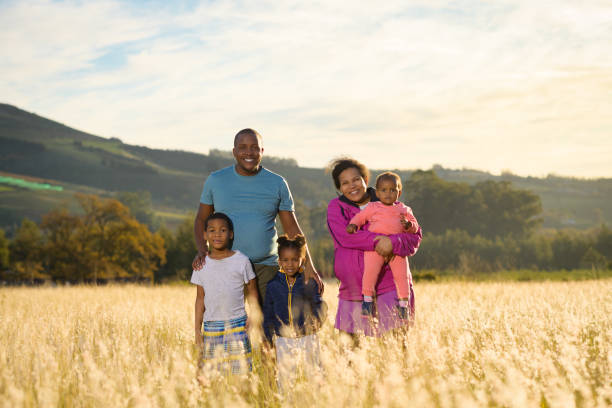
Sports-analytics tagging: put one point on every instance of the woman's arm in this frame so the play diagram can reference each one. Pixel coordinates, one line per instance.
(337, 222)
(199, 315)
(406, 244)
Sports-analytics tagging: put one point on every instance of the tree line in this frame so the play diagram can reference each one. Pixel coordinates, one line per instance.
(484, 227)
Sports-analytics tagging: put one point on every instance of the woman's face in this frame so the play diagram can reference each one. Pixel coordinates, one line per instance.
(352, 185)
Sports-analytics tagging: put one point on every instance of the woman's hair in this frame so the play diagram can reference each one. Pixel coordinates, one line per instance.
(298, 243)
(340, 164)
(389, 176)
(228, 221)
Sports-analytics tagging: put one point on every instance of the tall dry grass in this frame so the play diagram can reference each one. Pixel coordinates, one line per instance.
(474, 344)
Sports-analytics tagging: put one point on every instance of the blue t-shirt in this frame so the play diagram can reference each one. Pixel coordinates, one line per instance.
(252, 203)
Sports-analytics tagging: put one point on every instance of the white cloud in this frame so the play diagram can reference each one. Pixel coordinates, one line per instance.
(476, 84)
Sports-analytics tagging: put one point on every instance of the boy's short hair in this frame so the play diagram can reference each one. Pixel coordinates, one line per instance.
(224, 217)
(389, 176)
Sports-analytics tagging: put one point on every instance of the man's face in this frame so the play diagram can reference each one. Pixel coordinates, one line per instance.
(248, 153)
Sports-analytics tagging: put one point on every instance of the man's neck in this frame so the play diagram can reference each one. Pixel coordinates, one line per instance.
(243, 172)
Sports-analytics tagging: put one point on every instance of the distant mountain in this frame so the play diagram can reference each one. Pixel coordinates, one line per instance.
(32, 145)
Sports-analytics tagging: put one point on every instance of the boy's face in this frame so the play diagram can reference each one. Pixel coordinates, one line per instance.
(290, 261)
(218, 234)
(248, 153)
(387, 191)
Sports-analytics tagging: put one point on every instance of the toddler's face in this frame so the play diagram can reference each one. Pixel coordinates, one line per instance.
(387, 191)
(290, 261)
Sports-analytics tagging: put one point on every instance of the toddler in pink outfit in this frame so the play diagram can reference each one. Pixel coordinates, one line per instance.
(387, 216)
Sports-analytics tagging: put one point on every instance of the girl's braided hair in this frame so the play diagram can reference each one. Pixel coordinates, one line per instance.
(298, 243)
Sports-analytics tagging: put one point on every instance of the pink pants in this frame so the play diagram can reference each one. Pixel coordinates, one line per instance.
(373, 263)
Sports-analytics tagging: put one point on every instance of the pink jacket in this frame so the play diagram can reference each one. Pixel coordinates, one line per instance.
(349, 248)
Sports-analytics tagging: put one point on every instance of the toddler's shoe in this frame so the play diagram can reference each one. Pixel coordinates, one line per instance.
(367, 309)
(402, 312)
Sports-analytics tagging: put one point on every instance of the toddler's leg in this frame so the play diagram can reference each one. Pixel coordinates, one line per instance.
(372, 263)
(399, 268)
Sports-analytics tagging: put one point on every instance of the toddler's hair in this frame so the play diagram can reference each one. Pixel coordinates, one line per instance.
(298, 243)
(228, 221)
(389, 176)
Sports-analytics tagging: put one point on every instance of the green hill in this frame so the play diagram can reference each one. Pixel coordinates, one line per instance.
(33, 146)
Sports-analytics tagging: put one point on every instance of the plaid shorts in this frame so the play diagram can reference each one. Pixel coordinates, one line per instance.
(227, 346)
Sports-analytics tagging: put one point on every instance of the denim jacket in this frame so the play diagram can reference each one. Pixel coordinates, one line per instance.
(299, 307)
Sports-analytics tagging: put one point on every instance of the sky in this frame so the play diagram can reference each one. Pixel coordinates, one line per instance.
(517, 86)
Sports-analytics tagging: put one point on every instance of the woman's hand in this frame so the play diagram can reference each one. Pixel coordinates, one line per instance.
(384, 247)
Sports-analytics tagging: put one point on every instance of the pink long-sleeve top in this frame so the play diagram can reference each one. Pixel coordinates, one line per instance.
(385, 219)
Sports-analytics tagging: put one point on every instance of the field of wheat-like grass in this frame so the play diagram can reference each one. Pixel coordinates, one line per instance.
(474, 344)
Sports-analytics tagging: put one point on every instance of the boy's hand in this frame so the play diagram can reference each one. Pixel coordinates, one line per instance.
(351, 228)
(199, 341)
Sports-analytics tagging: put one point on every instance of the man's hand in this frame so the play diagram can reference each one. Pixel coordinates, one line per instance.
(311, 273)
(351, 228)
(199, 260)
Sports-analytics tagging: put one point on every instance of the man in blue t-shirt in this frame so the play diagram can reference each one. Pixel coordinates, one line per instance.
(252, 197)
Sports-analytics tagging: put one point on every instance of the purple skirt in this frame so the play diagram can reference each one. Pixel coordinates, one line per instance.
(349, 319)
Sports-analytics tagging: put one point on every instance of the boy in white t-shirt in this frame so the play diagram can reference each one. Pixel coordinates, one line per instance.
(220, 300)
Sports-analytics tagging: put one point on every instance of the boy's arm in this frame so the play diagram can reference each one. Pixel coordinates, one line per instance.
(253, 299)
(199, 315)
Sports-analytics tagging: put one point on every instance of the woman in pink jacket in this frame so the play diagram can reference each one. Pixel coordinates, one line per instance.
(351, 179)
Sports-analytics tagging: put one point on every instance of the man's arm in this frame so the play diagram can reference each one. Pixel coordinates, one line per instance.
(292, 228)
(204, 211)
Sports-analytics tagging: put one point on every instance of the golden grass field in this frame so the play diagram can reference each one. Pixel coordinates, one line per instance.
(474, 344)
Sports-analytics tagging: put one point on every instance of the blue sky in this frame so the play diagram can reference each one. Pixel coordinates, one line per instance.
(521, 86)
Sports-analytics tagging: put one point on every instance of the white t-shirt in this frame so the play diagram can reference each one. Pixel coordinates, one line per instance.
(223, 281)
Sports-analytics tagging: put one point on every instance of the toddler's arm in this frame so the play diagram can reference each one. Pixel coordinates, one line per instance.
(408, 220)
(359, 219)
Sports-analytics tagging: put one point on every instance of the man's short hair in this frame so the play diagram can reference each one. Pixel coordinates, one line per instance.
(247, 131)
